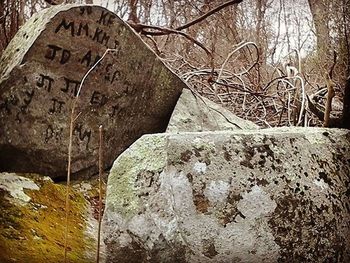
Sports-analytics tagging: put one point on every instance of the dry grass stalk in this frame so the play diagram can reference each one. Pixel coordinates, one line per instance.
(100, 172)
(73, 118)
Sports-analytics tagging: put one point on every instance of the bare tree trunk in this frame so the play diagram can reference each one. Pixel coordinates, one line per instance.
(344, 43)
(346, 105)
(261, 38)
(260, 26)
(320, 13)
(11, 18)
(146, 5)
(133, 11)
(3, 33)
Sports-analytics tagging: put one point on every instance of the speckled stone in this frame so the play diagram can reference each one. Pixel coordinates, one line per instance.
(270, 195)
(194, 113)
(131, 92)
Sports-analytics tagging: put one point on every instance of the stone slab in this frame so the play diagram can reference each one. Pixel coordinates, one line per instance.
(194, 113)
(131, 92)
(269, 195)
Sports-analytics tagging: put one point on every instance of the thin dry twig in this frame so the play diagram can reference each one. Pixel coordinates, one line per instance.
(233, 52)
(303, 100)
(209, 13)
(73, 118)
(325, 116)
(174, 31)
(236, 87)
(330, 96)
(333, 65)
(100, 172)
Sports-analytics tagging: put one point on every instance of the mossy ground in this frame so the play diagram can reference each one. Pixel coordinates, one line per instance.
(34, 232)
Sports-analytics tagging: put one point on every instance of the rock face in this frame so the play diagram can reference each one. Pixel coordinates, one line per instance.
(32, 221)
(130, 92)
(194, 113)
(275, 195)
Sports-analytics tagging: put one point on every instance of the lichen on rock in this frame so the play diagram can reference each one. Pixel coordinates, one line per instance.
(273, 195)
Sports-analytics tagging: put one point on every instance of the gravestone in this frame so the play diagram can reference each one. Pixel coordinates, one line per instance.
(130, 92)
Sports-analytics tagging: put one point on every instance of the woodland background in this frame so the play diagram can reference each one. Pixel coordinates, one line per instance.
(240, 56)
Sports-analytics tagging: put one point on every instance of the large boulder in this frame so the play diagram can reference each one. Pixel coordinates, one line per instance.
(274, 195)
(195, 113)
(32, 221)
(130, 93)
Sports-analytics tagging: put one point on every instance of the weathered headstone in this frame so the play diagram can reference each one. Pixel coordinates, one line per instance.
(131, 92)
(273, 195)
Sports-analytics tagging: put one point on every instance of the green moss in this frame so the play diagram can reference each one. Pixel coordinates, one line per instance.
(34, 232)
(146, 154)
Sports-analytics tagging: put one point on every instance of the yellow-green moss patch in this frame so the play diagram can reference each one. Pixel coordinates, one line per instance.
(34, 232)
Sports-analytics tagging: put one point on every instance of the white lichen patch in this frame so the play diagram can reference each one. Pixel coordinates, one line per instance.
(201, 144)
(321, 184)
(15, 185)
(200, 167)
(217, 192)
(256, 203)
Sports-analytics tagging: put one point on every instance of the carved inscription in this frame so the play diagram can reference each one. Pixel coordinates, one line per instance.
(89, 59)
(106, 19)
(83, 134)
(6, 105)
(53, 134)
(69, 26)
(85, 9)
(129, 92)
(112, 75)
(27, 99)
(45, 82)
(57, 106)
(56, 51)
(17, 105)
(71, 86)
(116, 110)
(98, 99)
(53, 92)
(83, 29)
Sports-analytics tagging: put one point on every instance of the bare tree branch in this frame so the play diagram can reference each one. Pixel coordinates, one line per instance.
(209, 13)
(139, 27)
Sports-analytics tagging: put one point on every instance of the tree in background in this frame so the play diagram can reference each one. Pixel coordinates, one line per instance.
(11, 18)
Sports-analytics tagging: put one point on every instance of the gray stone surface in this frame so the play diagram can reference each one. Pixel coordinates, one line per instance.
(195, 113)
(274, 195)
(131, 92)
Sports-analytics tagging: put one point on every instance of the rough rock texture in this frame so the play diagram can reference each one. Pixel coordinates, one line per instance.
(32, 221)
(275, 195)
(131, 92)
(195, 113)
